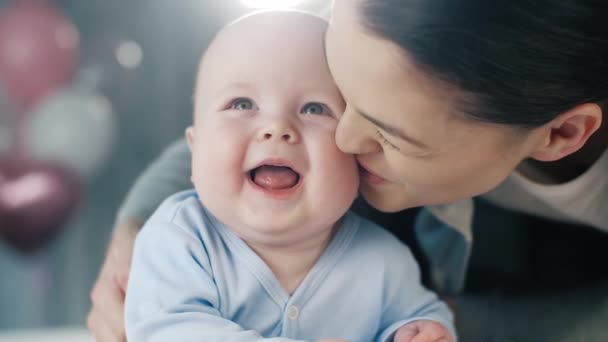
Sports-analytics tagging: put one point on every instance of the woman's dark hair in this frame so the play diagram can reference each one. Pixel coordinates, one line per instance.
(521, 62)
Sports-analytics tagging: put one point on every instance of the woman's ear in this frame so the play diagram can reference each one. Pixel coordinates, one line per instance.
(190, 137)
(568, 132)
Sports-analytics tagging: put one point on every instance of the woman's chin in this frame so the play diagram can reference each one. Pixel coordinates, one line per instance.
(385, 201)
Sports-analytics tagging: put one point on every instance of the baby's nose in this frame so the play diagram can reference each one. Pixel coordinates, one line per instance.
(280, 131)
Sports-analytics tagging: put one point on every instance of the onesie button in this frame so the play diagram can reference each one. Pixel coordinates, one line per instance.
(293, 312)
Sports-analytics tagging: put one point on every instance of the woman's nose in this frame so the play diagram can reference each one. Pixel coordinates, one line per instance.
(279, 130)
(354, 134)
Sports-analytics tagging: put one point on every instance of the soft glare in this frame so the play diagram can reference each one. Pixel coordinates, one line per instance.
(270, 3)
(129, 54)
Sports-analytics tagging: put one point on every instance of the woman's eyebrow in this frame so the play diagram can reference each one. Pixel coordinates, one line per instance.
(394, 131)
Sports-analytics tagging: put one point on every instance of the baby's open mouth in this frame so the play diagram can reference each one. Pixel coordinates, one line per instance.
(272, 177)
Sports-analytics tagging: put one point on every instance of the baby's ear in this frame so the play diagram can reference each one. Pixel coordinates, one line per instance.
(190, 137)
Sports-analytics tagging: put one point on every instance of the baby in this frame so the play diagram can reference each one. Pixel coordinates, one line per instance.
(264, 248)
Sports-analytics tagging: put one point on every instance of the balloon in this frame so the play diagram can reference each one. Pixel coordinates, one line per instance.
(73, 127)
(38, 50)
(36, 200)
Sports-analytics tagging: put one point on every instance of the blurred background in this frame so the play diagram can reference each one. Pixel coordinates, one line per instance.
(90, 92)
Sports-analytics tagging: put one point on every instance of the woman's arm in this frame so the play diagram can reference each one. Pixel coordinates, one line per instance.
(167, 175)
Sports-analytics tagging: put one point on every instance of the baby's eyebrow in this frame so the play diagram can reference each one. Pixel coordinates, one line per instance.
(234, 87)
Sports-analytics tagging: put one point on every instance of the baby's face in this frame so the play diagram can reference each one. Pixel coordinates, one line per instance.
(265, 160)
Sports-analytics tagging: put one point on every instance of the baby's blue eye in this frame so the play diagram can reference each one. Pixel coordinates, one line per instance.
(242, 104)
(314, 108)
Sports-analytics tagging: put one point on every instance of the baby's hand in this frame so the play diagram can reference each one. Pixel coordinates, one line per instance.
(423, 331)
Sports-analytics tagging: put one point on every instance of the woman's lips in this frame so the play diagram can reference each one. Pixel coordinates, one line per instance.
(370, 177)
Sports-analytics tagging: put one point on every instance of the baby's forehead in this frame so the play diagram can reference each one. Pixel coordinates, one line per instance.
(271, 30)
(256, 41)
(276, 23)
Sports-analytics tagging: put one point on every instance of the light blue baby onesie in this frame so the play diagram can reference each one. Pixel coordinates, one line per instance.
(192, 279)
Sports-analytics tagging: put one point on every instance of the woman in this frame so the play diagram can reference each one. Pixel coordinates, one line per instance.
(445, 101)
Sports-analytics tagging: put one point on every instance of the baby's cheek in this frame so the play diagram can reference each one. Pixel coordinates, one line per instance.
(210, 161)
(342, 176)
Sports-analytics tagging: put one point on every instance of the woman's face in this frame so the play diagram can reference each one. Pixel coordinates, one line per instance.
(413, 147)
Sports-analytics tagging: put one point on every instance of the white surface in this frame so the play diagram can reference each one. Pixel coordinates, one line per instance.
(47, 335)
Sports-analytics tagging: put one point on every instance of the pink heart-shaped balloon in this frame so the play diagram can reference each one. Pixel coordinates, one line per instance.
(36, 199)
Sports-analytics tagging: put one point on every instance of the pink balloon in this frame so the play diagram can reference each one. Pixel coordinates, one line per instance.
(38, 50)
(36, 200)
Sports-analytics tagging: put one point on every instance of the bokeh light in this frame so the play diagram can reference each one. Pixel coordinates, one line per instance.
(129, 54)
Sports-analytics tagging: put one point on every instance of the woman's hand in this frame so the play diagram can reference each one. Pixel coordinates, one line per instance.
(106, 318)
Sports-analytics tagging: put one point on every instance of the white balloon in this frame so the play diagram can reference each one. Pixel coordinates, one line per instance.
(74, 127)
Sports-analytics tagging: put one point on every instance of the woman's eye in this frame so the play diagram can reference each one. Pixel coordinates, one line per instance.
(242, 104)
(385, 141)
(314, 108)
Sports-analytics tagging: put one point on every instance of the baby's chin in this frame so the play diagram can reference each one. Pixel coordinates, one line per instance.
(278, 232)
(268, 236)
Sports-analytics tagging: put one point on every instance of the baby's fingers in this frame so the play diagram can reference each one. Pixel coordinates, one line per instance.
(423, 331)
(406, 333)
